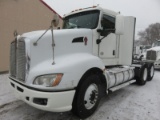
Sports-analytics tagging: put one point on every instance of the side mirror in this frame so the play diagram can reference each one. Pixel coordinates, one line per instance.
(119, 25)
(55, 20)
(105, 32)
(15, 33)
(140, 47)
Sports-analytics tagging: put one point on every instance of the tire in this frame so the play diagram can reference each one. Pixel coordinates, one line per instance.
(87, 97)
(143, 75)
(150, 71)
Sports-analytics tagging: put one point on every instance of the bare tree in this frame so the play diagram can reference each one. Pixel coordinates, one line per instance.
(150, 34)
(137, 43)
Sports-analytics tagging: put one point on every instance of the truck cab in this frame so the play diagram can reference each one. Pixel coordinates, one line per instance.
(103, 24)
(154, 54)
(73, 67)
(140, 52)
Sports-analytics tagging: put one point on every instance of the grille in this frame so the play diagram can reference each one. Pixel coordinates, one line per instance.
(13, 60)
(151, 55)
(18, 60)
(21, 61)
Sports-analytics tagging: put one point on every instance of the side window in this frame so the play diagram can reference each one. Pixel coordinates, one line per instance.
(108, 23)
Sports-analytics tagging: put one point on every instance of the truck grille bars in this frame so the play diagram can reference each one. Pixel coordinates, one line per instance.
(13, 59)
(151, 55)
(18, 60)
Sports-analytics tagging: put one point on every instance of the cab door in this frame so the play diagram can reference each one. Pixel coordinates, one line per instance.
(108, 45)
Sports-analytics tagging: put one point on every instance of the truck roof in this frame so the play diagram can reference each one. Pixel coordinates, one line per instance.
(108, 12)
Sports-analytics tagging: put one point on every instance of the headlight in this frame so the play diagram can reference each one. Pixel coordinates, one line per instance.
(48, 80)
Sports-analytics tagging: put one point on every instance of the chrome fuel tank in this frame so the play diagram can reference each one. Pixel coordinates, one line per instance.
(118, 75)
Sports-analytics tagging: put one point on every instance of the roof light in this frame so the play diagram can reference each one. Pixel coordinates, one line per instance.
(84, 8)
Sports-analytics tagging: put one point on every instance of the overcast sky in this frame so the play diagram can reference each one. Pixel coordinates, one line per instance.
(146, 11)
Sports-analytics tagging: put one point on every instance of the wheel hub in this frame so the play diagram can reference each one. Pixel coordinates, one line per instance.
(91, 96)
(152, 71)
(145, 74)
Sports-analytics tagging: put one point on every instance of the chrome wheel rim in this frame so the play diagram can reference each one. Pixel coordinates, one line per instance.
(152, 71)
(91, 96)
(145, 74)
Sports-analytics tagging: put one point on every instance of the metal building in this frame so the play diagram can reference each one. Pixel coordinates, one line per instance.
(23, 16)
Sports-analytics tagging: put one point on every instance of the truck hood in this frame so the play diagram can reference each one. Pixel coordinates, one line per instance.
(67, 42)
(154, 48)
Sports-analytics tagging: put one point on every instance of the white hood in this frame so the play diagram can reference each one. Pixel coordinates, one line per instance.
(154, 48)
(67, 42)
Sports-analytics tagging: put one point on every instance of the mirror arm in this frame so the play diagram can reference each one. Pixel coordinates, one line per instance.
(99, 30)
(99, 40)
(36, 42)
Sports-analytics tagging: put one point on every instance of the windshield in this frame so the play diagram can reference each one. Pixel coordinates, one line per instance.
(147, 47)
(157, 43)
(87, 19)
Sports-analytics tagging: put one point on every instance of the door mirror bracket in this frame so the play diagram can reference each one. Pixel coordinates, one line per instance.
(99, 40)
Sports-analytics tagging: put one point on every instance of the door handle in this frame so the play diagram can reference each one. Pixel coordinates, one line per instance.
(113, 52)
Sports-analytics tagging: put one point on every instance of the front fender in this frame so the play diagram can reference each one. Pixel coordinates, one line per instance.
(72, 66)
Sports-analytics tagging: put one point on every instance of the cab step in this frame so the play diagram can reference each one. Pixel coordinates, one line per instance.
(121, 85)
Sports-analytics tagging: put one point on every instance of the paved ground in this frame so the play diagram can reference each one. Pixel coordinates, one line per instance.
(130, 103)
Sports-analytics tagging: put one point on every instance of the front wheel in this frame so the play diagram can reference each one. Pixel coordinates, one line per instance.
(87, 97)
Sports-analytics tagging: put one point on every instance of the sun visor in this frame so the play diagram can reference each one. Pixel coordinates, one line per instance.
(62, 7)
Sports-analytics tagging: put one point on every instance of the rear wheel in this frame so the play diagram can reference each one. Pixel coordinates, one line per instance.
(150, 71)
(87, 97)
(143, 75)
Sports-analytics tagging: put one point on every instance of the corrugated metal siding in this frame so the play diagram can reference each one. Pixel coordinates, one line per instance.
(23, 16)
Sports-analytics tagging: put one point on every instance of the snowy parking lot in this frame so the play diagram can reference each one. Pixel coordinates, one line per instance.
(133, 102)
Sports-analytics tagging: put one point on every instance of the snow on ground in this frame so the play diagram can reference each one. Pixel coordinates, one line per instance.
(133, 102)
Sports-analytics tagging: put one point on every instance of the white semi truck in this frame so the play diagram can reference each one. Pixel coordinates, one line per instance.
(73, 67)
(140, 52)
(154, 54)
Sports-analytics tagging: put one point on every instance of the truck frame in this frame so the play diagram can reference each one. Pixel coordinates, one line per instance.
(74, 67)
